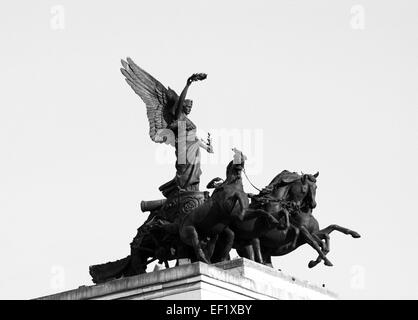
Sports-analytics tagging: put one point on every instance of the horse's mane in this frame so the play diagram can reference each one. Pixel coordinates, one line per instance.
(284, 177)
(283, 181)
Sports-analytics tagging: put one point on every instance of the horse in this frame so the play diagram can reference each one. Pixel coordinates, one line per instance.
(192, 235)
(227, 203)
(300, 191)
(248, 231)
(280, 199)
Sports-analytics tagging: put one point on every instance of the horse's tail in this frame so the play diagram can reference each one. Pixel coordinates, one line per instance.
(111, 270)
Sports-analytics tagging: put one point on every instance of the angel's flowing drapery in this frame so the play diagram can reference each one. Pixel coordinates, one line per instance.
(188, 170)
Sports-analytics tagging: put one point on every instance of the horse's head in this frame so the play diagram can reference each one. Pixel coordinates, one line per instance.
(303, 191)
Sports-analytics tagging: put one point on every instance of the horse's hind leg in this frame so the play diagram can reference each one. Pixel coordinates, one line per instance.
(227, 239)
(189, 235)
(336, 227)
(211, 246)
(257, 250)
(267, 260)
(246, 252)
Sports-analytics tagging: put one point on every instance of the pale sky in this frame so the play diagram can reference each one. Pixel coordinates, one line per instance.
(327, 86)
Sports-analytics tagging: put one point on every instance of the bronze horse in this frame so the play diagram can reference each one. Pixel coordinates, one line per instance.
(247, 232)
(301, 191)
(192, 235)
(227, 204)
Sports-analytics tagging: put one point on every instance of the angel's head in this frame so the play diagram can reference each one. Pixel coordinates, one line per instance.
(187, 106)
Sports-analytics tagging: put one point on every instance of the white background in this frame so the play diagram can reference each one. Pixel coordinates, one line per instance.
(331, 87)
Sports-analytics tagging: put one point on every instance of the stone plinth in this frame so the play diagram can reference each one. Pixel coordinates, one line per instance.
(238, 279)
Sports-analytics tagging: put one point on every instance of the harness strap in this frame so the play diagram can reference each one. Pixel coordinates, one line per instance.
(250, 181)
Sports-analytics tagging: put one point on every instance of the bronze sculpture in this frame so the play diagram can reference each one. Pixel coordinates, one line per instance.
(228, 203)
(166, 110)
(297, 192)
(189, 223)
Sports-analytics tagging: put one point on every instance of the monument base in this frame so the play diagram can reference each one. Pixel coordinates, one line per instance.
(238, 279)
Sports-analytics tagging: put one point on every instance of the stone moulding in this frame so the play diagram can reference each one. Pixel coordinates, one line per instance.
(236, 279)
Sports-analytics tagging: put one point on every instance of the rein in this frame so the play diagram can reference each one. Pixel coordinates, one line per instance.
(243, 169)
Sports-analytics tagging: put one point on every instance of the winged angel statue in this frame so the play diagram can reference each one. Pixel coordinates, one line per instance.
(168, 121)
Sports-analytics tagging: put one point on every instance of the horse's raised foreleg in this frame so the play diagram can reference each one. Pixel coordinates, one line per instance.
(324, 245)
(314, 263)
(246, 213)
(324, 234)
(336, 227)
(257, 213)
(325, 248)
(313, 243)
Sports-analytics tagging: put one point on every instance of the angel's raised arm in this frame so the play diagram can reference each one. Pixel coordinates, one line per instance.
(179, 104)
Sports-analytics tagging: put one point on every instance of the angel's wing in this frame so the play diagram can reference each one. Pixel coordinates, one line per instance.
(158, 100)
